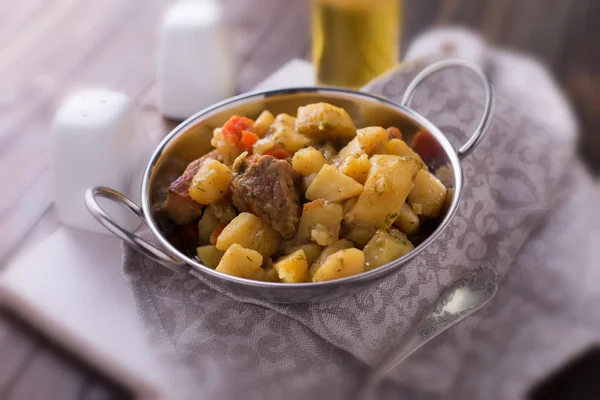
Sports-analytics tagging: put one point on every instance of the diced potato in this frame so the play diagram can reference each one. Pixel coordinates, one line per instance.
(349, 204)
(224, 210)
(263, 123)
(283, 133)
(417, 208)
(293, 142)
(341, 264)
(394, 132)
(228, 152)
(398, 147)
(387, 186)
(371, 138)
(292, 268)
(407, 221)
(308, 161)
(353, 148)
(330, 184)
(386, 246)
(250, 232)
(329, 250)
(380, 149)
(241, 262)
(324, 120)
(356, 168)
(263, 144)
(429, 192)
(312, 251)
(209, 255)
(207, 225)
(283, 122)
(320, 222)
(324, 235)
(360, 234)
(211, 182)
(367, 141)
(307, 180)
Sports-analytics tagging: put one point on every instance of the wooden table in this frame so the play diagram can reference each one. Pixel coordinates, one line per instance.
(48, 48)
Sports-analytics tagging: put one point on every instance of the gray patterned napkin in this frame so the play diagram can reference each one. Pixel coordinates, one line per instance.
(526, 210)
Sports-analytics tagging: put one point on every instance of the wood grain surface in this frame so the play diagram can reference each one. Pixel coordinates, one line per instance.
(49, 48)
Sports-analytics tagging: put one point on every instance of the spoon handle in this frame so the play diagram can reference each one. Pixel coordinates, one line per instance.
(465, 296)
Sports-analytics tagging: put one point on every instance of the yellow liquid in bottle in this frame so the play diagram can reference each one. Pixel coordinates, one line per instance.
(354, 41)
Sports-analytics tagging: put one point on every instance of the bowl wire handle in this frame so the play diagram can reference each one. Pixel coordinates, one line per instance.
(131, 238)
(488, 109)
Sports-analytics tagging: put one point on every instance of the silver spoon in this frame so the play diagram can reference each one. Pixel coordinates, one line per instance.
(465, 295)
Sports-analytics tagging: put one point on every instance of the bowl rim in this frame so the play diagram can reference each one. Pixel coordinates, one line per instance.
(347, 94)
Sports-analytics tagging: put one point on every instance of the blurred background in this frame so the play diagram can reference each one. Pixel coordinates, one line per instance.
(48, 48)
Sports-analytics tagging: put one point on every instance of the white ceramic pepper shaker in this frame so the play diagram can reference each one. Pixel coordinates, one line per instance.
(97, 139)
(195, 58)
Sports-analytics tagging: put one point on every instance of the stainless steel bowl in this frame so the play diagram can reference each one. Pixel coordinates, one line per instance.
(191, 139)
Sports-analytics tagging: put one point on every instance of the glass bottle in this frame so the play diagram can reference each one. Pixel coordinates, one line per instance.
(354, 41)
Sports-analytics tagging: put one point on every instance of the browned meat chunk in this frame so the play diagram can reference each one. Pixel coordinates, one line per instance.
(266, 187)
(179, 205)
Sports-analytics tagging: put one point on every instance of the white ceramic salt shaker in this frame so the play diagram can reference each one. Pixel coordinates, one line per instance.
(195, 58)
(97, 139)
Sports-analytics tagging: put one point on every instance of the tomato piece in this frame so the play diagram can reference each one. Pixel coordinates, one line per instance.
(233, 128)
(394, 132)
(231, 138)
(248, 139)
(278, 152)
(215, 235)
(428, 148)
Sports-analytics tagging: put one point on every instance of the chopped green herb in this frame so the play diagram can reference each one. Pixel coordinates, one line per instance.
(391, 217)
(341, 259)
(325, 126)
(301, 257)
(241, 166)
